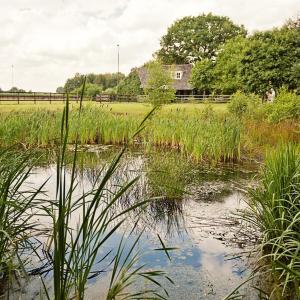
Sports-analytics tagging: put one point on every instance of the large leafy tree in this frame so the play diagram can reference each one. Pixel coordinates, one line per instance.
(159, 87)
(194, 38)
(228, 66)
(202, 77)
(271, 60)
(104, 81)
(131, 84)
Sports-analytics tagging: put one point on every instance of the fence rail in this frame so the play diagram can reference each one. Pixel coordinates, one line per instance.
(37, 96)
(55, 97)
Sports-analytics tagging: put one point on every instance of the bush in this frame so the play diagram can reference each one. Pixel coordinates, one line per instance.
(241, 104)
(159, 88)
(286, 106)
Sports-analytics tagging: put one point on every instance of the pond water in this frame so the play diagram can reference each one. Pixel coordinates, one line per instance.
(194, 215)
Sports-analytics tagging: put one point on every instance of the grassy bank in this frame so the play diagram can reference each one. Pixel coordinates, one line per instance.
(205, 133)
(200, 134)
(128, 108)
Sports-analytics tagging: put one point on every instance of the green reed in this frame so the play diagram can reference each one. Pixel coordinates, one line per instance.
(16, 212)
(275, 210)
(215, 137)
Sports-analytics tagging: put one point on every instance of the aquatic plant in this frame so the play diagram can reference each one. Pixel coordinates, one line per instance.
(274, 208)
(16, 212)
(215, 138)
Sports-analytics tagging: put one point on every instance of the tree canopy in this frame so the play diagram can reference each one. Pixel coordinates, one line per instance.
(191, 39)
(271, 59)
(159, 87)
(103, 81)
(252, 64)
(130, 85)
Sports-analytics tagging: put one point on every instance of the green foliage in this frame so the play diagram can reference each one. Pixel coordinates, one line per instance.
(202, 77)
(74, 83)
(90, 90)
(241, 104)
(270, 60)
(131, 85)
(15, 90)
(159, 84)
(194, 38)
(286, 106)
(274, 208)
(111, 91)
(228, 66)
(105, 81)
(213, 139)
(60, 89)
(16, 211)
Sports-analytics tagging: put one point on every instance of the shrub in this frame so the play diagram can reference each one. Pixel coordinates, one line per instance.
(159, 85)
(241, 104)
(286, 106)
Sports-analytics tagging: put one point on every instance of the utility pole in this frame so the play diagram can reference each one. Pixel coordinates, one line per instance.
(118, 64)
(12, 76)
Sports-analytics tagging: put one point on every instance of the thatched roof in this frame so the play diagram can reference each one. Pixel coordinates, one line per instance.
(178, 84)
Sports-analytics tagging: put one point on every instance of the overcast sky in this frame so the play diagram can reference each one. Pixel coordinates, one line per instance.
(49, 41)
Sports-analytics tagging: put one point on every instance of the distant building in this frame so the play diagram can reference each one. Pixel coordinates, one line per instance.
(180, 73)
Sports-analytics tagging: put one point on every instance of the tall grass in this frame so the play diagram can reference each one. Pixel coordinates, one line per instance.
(214, 137)
(16, 204)
(275, 210)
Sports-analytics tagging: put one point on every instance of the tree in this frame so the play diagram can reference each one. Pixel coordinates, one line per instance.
(270, 60)
(60, 89)
(74, 83)
(195, 38)
(105, 81)
(131, 85)
(202, 77)
(159, 84)
(91, 90)
(228, 67)
(15, 90)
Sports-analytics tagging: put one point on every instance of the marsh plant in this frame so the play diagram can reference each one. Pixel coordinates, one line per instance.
(274, 208)
(216, 138)
(16, 211)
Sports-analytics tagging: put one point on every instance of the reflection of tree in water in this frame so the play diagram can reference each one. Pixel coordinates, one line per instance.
(155, 182)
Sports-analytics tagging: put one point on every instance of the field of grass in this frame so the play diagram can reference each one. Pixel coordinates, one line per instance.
(118, 107)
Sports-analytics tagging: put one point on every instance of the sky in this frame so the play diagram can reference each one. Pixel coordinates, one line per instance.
(47, 42)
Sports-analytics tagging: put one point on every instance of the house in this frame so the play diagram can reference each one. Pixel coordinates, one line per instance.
(180, 73)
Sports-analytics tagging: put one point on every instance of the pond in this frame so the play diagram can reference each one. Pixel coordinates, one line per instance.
(194, 213)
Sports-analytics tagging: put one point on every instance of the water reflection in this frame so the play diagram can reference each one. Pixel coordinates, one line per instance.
(190, 209)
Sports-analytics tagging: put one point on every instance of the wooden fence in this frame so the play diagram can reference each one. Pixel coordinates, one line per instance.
(18, 97)
(36, 96)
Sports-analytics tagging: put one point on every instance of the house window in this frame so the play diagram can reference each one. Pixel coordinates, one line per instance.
(178, 75)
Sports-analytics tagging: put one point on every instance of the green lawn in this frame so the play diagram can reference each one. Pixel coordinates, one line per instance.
(118, 107)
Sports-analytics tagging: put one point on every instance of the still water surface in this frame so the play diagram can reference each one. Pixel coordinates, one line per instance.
(194, 215)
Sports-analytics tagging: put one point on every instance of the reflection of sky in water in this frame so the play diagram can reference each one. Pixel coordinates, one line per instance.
(200, 267)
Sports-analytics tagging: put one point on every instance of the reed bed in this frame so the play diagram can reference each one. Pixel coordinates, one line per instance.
(274, 209)
(216, 138)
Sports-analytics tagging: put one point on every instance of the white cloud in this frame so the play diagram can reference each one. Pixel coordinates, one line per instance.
(48, 41)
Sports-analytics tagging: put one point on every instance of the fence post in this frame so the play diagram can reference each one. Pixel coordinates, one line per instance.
(18, 97)
(50, 97)
(34, 100)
